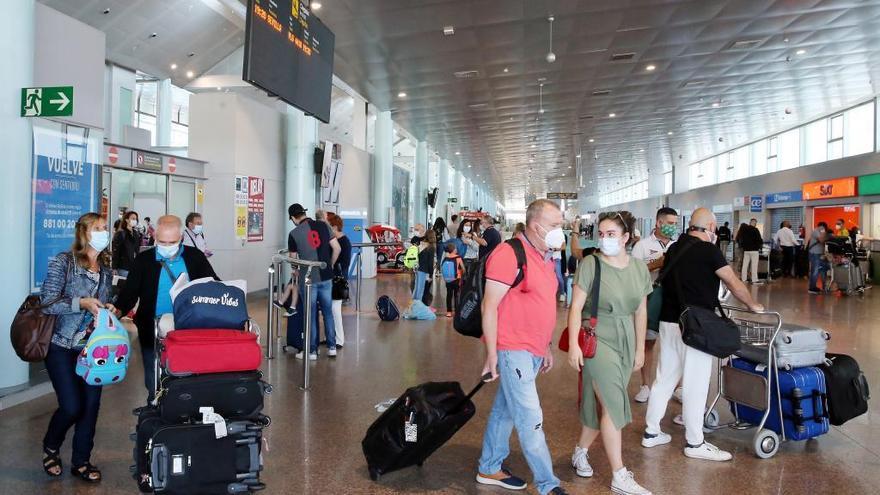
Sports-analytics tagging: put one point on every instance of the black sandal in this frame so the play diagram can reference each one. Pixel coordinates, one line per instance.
(85, 472)
(52, 460)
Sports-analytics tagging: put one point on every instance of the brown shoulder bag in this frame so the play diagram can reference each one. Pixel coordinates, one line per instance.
(31, 329)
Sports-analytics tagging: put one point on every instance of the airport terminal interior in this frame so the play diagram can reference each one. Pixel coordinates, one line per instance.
(336, 149)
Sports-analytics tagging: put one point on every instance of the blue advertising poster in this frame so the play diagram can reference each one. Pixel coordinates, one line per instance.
(784, 197)
(756, 204)
(62, 191)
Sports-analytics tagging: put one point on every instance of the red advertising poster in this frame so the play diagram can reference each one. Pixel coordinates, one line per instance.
(256, 203)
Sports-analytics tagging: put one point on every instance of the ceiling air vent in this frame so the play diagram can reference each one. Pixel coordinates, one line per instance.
(587, 117)
(744, 44)
(622, 57)
(693, 84)
(602, 92)
(477, 106)
(466, 74)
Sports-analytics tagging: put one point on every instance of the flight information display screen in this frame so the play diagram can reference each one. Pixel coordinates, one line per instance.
(288, 52)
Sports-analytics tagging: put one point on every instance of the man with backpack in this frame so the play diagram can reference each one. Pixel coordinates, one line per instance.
(518, 318)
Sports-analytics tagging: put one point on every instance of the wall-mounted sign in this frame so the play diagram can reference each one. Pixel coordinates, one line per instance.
(148, 161)
(256, 204)
(722, 208)
(56, 101)
(756, 204)
(562, 195)
(869, 184)
(241, 206)
(172, 165)
(112, 155)
(740, 201)
(783, 197)
(833, 188)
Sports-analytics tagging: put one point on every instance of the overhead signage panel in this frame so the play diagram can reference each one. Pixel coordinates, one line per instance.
(844, 187)
(784, 197)
(53, 101)
(869, 184)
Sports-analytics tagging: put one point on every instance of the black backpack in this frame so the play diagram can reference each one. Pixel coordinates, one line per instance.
(387, 309)
(469, 318)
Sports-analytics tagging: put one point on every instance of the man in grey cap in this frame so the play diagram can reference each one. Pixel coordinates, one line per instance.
(311, 240)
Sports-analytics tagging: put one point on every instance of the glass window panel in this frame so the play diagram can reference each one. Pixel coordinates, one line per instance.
(789, 150)
(725, 173)
(859, 130)
(759, 157)
(835, 149)
(772, 148)
(179, 135)
(146, 97)
(835, 127)
(667, 183)
(693, 175)
(817, 143)
(180, 105)
(739, 160)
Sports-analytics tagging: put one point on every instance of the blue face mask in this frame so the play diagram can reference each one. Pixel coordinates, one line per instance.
(197, 229)
(167, 252)
(99, 239)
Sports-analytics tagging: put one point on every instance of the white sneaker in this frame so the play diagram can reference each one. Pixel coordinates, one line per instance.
(661, 438)
(332, 352)
(562, 298)
(643, 395)
(677, 394)
(580, 461)
(624, 483)
(708, 452)
(313, 356)
(678, 420)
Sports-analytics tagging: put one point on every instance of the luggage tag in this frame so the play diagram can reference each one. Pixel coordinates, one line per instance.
(209, 416)
(410, 429)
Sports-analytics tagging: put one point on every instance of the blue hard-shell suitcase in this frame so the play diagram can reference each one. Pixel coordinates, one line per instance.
(804, 401)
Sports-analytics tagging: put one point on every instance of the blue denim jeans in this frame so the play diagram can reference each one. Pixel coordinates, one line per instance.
(517, 405)
(419, 286)
(818, 267)
(322, 296)
(78, 405)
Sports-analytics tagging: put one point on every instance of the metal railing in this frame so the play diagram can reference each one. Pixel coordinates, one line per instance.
(273, 320)
(360, 270)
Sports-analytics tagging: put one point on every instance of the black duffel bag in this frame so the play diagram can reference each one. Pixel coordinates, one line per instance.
(339, 290)
(708, 331)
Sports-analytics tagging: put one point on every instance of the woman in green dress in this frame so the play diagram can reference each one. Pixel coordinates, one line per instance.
(622, 321)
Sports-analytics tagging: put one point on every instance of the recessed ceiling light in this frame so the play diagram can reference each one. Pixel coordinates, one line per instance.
(219, 88)
(669, 133)
(592, 140)
(716, 104)
(402, 94)
(534, 145)
(316, 5)
(578, 155)
(469, 166)
(173, 66)
(650, 68)
(506, 70)
(612, 114)
(800, 52)
(189, 74)
(457, 153)
(641, 151)
(448, 30)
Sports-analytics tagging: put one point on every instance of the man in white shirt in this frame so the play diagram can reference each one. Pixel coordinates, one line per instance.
(787, 240)
(651, 250)
(193, 234)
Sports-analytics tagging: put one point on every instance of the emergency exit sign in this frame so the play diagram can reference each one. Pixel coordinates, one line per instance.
(53, 101)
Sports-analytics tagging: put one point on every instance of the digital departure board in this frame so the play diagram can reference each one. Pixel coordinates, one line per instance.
(288, 52)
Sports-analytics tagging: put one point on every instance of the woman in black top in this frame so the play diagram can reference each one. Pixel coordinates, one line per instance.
(427, 253)
(126, 243)
(340, 273)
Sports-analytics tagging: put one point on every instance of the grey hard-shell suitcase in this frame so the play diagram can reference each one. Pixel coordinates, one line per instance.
(796, 347)
(848, 277)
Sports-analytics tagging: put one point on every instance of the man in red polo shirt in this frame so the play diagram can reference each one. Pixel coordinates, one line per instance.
(518, 326)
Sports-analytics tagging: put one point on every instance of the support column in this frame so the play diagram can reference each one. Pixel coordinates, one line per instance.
(17, 40)
(420, 169)
(383, 168)
(443, 192)
(301, 137)
(359, 123)
(164, 105)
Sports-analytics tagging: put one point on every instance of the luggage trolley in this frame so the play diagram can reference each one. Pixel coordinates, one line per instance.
(756, 391)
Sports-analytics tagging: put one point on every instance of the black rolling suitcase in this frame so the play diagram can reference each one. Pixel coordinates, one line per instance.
(148, 423)
(234, 396)
(419, 422)
(848, 392)
(189, 459)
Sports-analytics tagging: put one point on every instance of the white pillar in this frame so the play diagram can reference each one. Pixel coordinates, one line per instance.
(301, 137)
(420, 169)
(16, 138)
(443, 192)
(359, 123)
(383, 168)
(164, 105)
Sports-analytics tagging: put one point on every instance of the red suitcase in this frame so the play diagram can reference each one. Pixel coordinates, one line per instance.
(191, 352)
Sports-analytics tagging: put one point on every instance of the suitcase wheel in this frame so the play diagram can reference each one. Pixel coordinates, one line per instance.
(257, 487)
(766, 444)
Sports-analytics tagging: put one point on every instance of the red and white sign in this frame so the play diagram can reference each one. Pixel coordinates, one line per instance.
(112, 155)
(172, 164)
(140, 159)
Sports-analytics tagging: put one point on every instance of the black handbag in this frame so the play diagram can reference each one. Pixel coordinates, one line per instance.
(339, 291)
(655, 298)
(706, 330)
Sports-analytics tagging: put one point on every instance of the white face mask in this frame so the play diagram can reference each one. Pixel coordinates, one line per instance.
(555, 238)
(132, 222)
(466, 229)
(610, 246)
(99, 239)
(712, 237)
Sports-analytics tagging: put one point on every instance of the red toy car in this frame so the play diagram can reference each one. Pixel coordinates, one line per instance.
(386, 254)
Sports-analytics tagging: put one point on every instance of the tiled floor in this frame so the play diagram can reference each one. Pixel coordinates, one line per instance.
(315, 437)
